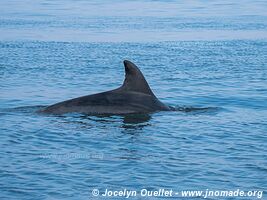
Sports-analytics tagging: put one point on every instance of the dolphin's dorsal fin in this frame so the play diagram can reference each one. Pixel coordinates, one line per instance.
(135, 80)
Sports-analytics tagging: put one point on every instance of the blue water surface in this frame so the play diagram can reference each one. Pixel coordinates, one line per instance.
(194, 54)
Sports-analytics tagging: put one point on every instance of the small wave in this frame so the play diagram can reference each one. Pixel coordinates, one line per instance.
(22, 109)
(194, 109)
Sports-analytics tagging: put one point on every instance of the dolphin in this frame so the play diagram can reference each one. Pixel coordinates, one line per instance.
(133, 97)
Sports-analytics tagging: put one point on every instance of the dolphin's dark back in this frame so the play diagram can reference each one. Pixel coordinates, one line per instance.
(134, 96)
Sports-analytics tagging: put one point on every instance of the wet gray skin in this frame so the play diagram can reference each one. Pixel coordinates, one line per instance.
(134, 96)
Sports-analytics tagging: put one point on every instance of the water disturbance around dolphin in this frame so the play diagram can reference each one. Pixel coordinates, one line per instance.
(134, 96)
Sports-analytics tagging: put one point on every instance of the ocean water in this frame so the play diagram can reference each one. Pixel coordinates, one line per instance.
(194, 54)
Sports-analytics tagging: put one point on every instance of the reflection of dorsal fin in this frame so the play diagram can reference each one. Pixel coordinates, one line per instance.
(135, 80)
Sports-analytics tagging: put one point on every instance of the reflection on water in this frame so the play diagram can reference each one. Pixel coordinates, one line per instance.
(129, 120)
(136, 121)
